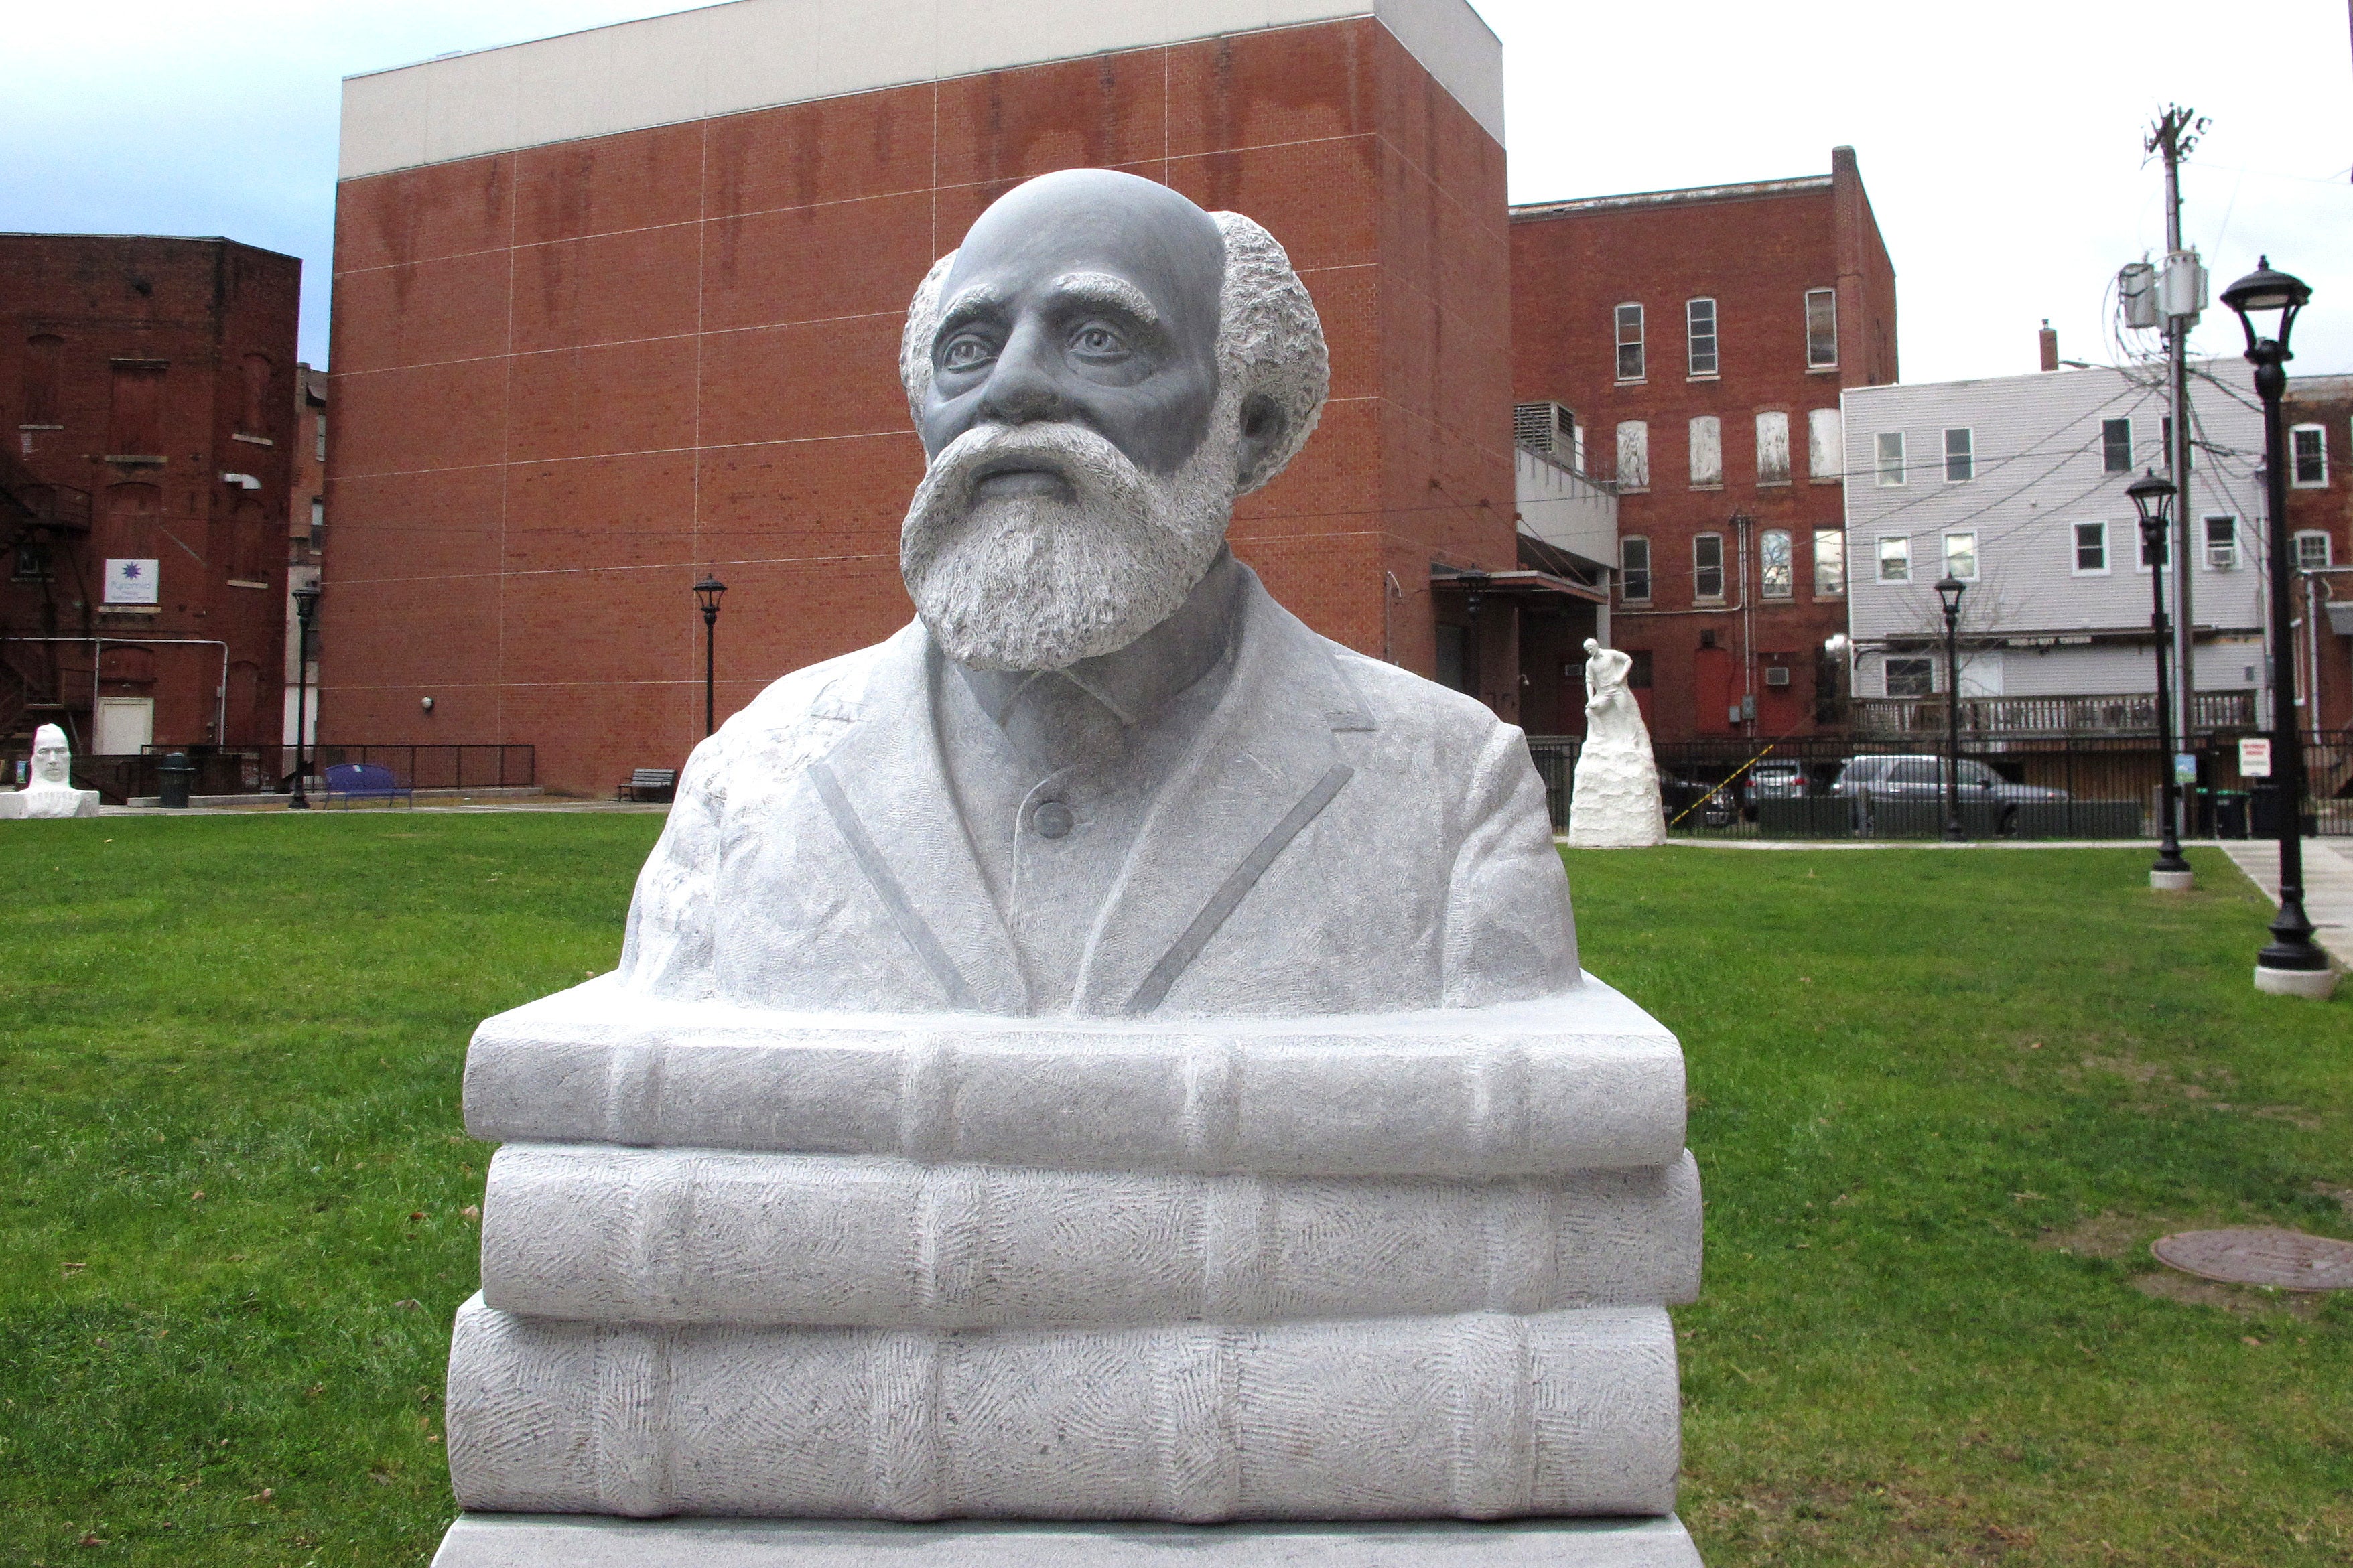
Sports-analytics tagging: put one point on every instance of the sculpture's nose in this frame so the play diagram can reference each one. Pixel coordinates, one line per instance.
(1023, 386)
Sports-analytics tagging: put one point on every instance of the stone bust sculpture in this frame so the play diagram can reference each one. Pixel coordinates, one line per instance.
(1103, 773)
(49, 791)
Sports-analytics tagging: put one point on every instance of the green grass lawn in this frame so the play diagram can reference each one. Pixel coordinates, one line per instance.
(1942, 1102)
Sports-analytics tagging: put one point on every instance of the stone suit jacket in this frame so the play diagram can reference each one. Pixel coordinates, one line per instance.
(1341, 836)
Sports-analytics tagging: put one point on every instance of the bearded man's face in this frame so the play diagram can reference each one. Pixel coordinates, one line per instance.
(1083, 453)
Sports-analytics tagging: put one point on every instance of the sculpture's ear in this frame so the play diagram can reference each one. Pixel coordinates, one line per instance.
(1264, 427)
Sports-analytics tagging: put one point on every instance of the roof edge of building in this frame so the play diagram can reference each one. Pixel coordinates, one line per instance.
(746, 55)
(1751, 189)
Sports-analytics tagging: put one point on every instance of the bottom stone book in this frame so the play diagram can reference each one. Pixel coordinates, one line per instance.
(540, 1540)
(1485, 1415)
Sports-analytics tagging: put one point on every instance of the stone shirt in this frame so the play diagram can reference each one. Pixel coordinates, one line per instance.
(1055, 771)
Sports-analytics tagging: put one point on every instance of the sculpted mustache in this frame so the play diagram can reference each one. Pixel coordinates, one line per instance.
(1064, 448)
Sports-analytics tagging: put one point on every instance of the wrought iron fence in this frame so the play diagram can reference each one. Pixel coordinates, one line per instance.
(2084, 788)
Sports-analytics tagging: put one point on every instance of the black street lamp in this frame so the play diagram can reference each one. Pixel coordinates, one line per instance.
(1948, 593)
(306, 610)
(2150, 497)
(2291, 963)
(706, 594)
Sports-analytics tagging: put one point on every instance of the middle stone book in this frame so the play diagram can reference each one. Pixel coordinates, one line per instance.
(673, 1236)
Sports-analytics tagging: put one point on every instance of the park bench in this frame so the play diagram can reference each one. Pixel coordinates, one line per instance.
(348, 781)
(648, 783)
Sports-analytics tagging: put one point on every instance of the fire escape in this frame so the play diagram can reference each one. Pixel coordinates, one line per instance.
(36, 520)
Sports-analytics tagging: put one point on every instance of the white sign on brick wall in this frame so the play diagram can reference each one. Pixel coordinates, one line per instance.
(132, 582)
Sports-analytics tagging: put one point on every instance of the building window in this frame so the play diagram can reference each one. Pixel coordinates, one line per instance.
(1454, 670)
(1777, 567)
(2090, 549)
(1825, 446)
(1960, 456)
(45, 358)
(1821, 328)
(1634, 455)
(1707, 566)
(1634, 569)
(1910, 676)
(318, 521)
(2223, 544)
(1895, 558)
(1699, 328)
(255, 418)
(1630, 343)
(1890, 458)
(1773, 448)
(32, 563)
(134, 418)
(2309, 444)
(2116, 445)
(321, 456)
(1706, 453)
(1638, 675)
(1830, 563)
(2312, 553)
(1961, 556)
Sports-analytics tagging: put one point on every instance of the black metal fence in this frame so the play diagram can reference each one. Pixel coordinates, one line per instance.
(1835, 788)
(270, 770)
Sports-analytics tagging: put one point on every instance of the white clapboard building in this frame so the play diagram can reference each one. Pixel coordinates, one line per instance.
(2015, 485)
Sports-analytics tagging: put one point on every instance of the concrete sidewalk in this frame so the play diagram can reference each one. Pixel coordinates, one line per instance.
(2327, 886)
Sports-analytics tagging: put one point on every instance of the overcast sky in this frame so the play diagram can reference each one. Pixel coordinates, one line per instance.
(2001, 142)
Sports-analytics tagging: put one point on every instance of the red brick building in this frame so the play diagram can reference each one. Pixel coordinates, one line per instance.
(618, 308)
(1700, 339)
(2319, 417)
(143, 494)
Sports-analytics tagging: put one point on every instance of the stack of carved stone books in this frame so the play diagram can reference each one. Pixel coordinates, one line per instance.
(743, 1266)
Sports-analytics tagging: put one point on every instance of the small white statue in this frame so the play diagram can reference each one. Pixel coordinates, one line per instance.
(1615, 802)
(50, 792)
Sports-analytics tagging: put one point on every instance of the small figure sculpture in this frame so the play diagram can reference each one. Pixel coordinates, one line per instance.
(50, 791)
(1615, 802)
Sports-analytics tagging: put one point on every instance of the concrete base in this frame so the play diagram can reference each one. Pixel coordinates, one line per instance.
(2173, 881)
(557, 1541)
(2317, 983)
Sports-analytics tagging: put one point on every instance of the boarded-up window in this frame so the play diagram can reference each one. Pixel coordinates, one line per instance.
(254, 420)
(1634, 455)
(135, 421)
(249, 539)
(129, 527)
(1707, 450)
(1825, 444)
(1773, 448)
(45, 358)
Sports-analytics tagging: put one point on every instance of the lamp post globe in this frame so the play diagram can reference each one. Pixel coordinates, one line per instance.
(706, 594)
(2152, 498)
(306, 610)
(2267, 302)
(1949, 590)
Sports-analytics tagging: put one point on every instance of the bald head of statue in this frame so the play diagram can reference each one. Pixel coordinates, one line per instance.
(1096, 375)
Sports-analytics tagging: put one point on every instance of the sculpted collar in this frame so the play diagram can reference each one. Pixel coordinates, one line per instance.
(1136, 681)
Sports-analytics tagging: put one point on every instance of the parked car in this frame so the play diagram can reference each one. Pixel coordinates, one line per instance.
(1774, 780)
(1876, 780)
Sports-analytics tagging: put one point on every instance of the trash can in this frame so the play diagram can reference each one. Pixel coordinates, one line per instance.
(2226, 813)
(174, 774)
(2269, 812)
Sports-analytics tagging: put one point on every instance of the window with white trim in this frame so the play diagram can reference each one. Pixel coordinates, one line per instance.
(1960, 456)
(1830, 563)
(1889, 452)
(1634, 455)
(1706, 452)
(1895, 558)
(2312, 551)
(2116, 445)
(1630, 343)
(1634, 569)
(2222, 543)
(1773, 447)
(1707, 566)
(1821, 328)
(1961, 556)
(1910, 676)
(1699, 335)
(2091, 550)
(1777, 566)
(2308, 452)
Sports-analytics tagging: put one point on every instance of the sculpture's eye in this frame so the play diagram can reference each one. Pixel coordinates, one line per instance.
(1098, 342)
(965, 351)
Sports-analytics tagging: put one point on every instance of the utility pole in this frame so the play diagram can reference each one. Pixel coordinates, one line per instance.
(2181, 294)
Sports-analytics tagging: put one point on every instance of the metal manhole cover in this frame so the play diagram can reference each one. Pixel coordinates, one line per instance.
(2260, 1254)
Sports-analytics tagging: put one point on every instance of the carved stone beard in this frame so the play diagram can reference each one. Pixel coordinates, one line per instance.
(1032, 582)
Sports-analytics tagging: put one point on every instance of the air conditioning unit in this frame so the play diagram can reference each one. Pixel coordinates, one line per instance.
(1777, 675)
(1549, 428)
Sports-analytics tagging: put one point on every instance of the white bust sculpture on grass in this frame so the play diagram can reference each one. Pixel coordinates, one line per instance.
(1614, 802)
(1106, 1053)
(49, 791)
